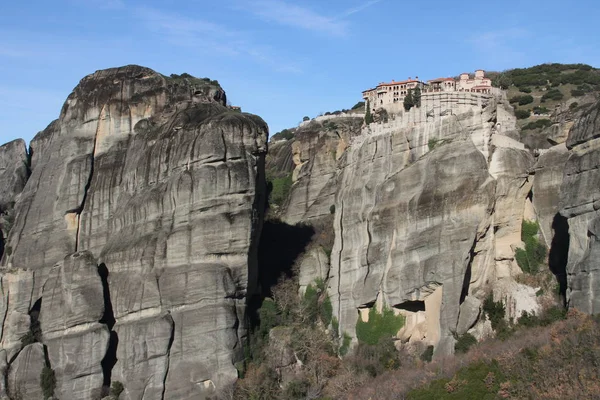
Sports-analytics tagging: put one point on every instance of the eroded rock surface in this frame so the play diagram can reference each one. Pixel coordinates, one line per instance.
(579, 203)
(134, 240)
(428, 209)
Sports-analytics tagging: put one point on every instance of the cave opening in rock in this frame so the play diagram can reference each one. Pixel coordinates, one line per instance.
(411, 306)
(109, 317)
(279, 247)
(559, 253)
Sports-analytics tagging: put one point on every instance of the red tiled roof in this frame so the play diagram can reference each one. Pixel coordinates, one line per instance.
(393, 83)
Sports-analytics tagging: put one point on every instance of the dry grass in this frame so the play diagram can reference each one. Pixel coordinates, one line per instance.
(555, 362)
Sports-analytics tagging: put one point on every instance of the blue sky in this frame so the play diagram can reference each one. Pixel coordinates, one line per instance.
(280, 59)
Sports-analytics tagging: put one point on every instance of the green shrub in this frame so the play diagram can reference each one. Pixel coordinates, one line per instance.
(48, 382)
(464, 343)
(427, 354)
(477, 381)
(379, 326)
(534, 254)
(326, 311)
(525, 89)
(573, 106)
(335, 325)
(494, 310)
(306, 118)
(577, 92)
(432, 143)
(28, 338)
(280, 189)
(553, 314)
(116, 389)
(539, 124)
(284, 134)
(552, 94)
(540, 110)
(528, 320)
(522, 114)
(522, 100)
(332, 209)
(316, 303)
(359, 105)
(346, 340)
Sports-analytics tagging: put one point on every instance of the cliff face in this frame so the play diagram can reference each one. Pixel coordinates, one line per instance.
(428, 208)
(579, 203)
(134, 240)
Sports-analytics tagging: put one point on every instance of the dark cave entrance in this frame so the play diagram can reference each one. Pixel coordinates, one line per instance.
(411, 306)
(279, 247)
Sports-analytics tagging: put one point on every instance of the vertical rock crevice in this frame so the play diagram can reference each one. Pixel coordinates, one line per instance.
(86, 190)
(559, 253)
(171, 340)
(110, 358)
(468, 272)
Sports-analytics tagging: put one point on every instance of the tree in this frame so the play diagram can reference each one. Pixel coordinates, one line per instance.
(409, 101)
(368, 116)
(502, 81)
(306, 118)
(417, 97)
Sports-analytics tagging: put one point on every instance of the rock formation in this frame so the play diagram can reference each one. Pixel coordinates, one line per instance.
(428, 209)
(134, 240)
(579, 203)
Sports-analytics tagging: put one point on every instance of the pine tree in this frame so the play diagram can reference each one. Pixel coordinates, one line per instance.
(409, 101)
(417, 97)
(368, 116)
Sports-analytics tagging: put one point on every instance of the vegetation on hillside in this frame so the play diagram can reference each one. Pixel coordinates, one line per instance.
(547, 74)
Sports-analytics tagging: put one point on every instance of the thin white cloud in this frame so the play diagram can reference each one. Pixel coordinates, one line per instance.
(210, 37)
(359, 8)
(287, 14)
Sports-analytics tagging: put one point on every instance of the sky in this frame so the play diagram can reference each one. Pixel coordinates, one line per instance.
(279, 59)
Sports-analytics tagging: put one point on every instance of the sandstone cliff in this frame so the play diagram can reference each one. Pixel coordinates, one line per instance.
(134, 240)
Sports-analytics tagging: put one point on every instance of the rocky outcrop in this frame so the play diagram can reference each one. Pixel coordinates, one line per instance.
(135, 237)
(24, 374)
(14, 171)
(427, 215)
(316, 149)
(579, 203)
(548, 170)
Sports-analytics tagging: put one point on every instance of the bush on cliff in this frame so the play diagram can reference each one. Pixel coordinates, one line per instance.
(48, 382)
(379, 326)
(534, 254)
(280, 188)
